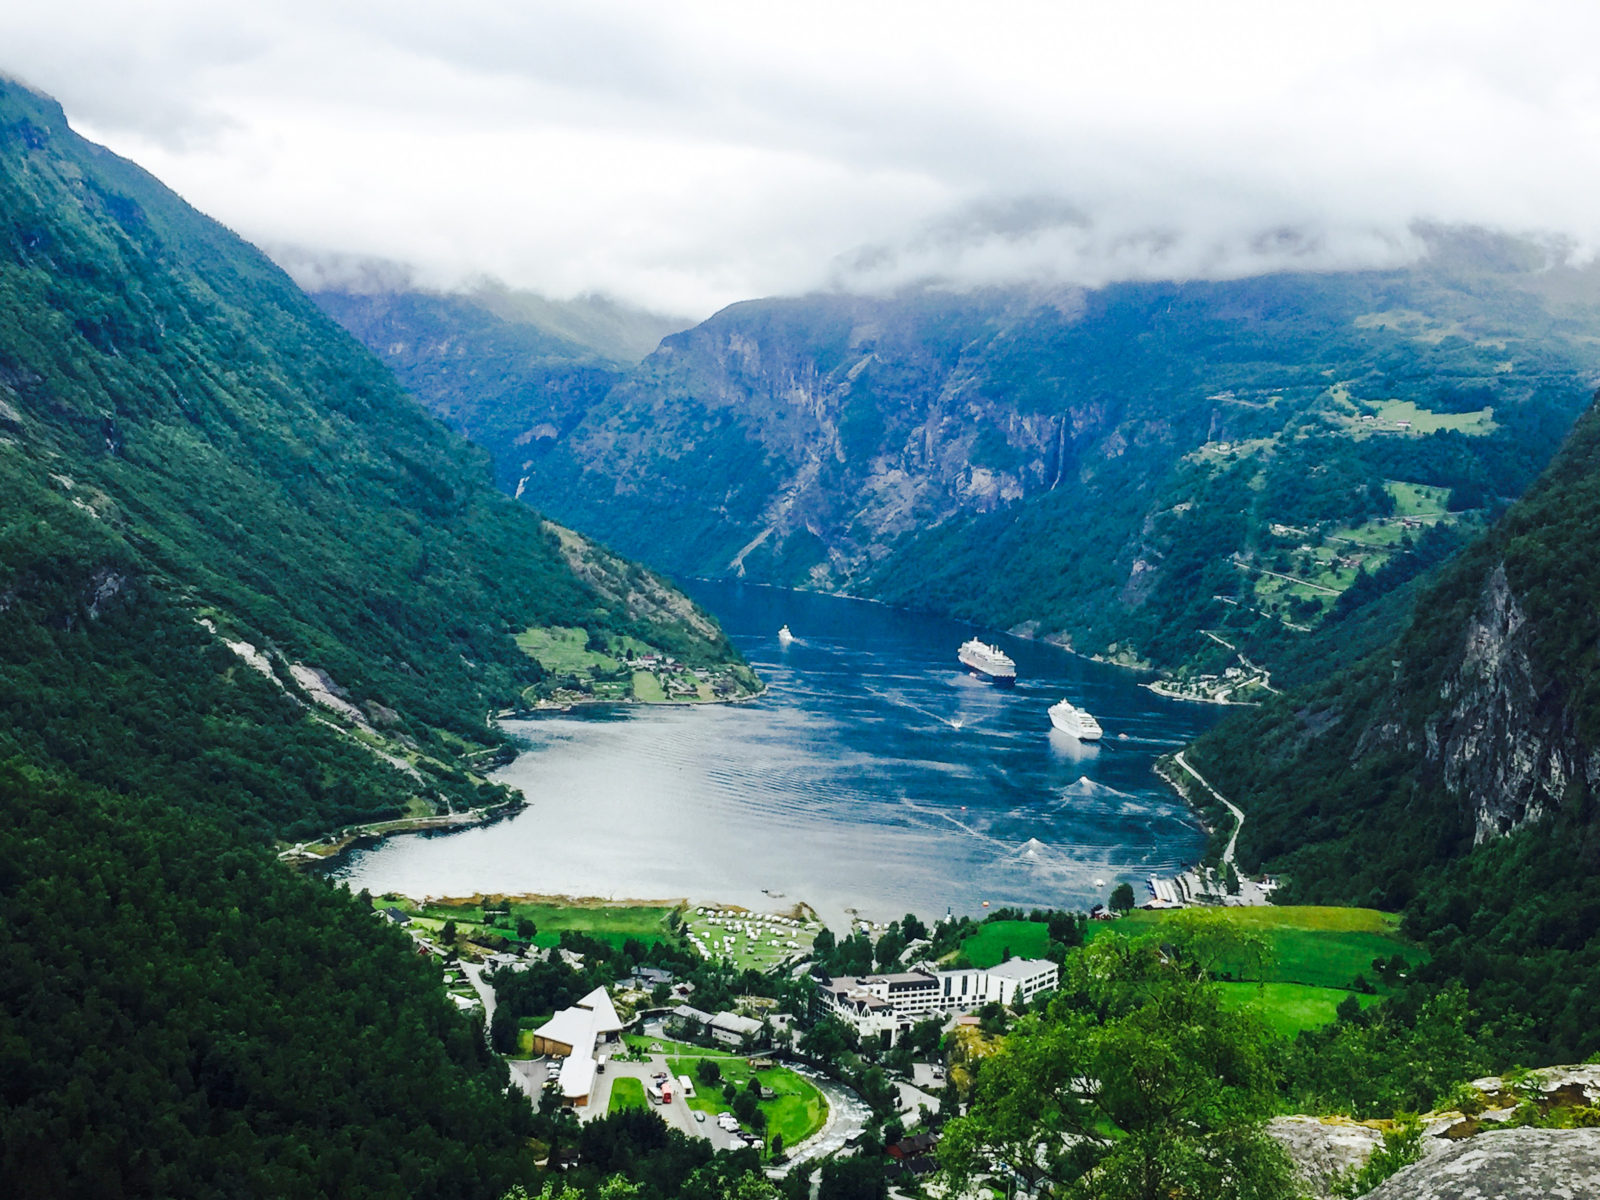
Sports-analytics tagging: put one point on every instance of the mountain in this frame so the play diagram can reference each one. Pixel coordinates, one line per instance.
(249, 591)
(1454, 772)
(1121, 468)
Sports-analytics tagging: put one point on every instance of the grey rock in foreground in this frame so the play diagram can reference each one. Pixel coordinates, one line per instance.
(1508, 1164)
(1322, 1150)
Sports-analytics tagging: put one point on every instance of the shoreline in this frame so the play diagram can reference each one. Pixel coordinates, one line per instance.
(528, 714)
(1160, 688)
(360, 837)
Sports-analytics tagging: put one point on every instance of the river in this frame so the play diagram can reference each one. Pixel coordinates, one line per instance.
(874, 775)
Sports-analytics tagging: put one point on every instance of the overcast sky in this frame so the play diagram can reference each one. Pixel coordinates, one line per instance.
(685, 155)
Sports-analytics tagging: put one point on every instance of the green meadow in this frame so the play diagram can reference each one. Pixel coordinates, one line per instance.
(1315, 955)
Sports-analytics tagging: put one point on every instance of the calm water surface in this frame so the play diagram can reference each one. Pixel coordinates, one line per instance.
(874, 775)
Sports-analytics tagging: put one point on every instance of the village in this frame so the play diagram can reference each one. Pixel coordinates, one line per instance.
(799, 1075)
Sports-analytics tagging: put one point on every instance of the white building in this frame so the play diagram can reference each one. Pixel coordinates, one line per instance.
(576, 1035)
(892, 1003)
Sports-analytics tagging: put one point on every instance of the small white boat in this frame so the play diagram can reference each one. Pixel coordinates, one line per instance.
(1070, 719)
(784, 636)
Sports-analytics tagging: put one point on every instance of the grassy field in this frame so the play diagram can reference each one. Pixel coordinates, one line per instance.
(796, 1112)
(1425, 421)
(563, 651)
(610, 923)
(1316, 955)
(1025, 939)
(1291, 1007)
(1322, 947)
(1417, 499)
(626, 1093)
(654, 1045)
(648, 688)
(752, 952)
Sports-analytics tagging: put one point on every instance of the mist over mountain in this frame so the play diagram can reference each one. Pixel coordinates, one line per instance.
(1120, 468)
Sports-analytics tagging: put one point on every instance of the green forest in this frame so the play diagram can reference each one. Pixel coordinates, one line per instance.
(249, 592)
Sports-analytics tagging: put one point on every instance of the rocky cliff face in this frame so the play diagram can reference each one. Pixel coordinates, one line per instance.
(1501, 736)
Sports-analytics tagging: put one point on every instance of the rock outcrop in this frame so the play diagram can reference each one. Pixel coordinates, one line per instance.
(1506, 1164)
(1325, 1148)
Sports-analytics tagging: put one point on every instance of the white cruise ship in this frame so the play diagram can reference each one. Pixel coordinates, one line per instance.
(1068, 718)
(990, 661)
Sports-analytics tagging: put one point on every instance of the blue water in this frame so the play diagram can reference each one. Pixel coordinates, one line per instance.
(875, 775)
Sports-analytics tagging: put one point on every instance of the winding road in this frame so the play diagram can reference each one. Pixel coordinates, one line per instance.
(1238, 813)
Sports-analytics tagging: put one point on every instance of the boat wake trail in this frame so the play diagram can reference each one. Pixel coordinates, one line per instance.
(900, 702)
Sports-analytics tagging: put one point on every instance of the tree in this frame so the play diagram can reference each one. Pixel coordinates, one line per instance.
(1152, 1055)
(853, 1179)
(709, 1072)
(526, 928)
(823, 944)
(1121, 897)
(889, 949)
(745, 1107)
(447, 935)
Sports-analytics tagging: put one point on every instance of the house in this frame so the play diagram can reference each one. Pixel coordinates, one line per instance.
(725, 1027)
(688, 1019)
(649, 977)
(395, 916)
(577, 1035)
(734, 1030)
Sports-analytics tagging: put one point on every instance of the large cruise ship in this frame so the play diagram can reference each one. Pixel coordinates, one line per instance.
(1068, 718)
(988, 660)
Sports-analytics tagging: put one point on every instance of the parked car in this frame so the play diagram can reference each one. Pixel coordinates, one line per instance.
(699, 1116)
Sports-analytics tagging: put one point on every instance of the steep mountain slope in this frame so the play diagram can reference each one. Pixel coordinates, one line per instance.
(248, 590)
(481, 374)
(1454, 772)
(190, 449)
(1122, 467)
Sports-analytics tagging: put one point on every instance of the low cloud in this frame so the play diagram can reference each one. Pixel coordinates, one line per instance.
(685, 156)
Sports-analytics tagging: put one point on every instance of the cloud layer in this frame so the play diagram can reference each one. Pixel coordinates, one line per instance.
(687, 155)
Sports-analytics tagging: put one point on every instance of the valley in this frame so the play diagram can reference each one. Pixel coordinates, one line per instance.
(461, 743)
(1059, 464)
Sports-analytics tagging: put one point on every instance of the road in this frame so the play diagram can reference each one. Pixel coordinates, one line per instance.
(1238, 813)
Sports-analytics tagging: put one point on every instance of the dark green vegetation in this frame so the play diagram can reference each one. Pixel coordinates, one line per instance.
(248, 590)
(484, 361)
(1452, 773)
(1268, 459)
(182, 1017)
(185, 438)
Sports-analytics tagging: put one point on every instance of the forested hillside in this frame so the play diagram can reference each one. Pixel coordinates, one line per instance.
(193, 453)
(1453, 773)
(1123, 467)
(249, 590)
